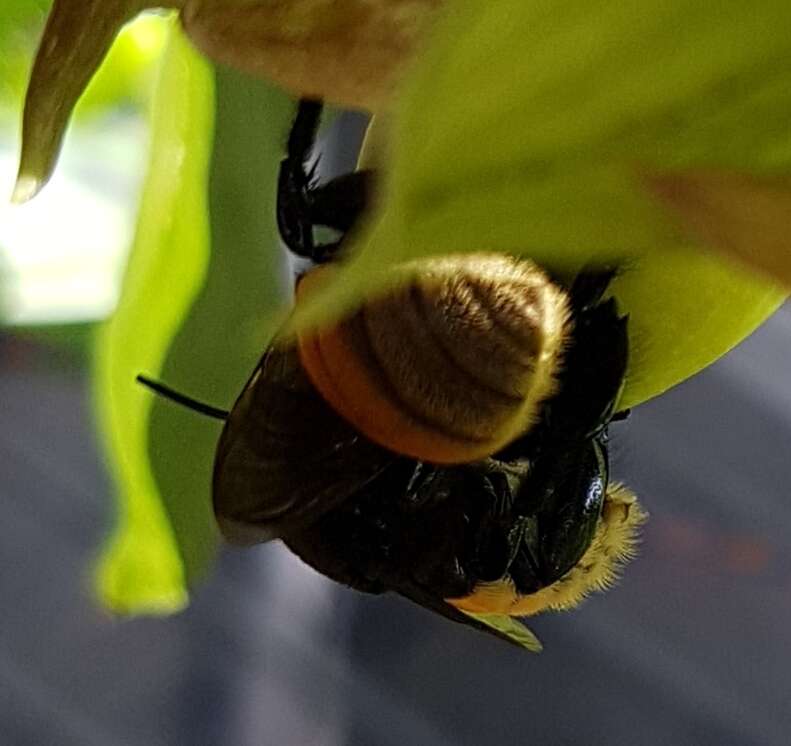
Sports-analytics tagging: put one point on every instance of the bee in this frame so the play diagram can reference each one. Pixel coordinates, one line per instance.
(448, 441)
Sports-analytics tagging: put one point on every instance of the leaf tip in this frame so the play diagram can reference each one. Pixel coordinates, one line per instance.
(27, 186)
(75, 40)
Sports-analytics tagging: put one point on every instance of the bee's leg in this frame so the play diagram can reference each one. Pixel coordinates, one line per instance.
(556, 512)
(293, 186)
(497, 536)
(589, 287)
(524, 566)
(340, 202)
(302, 204)
(593, 374)
(595, 365)
(428, 486)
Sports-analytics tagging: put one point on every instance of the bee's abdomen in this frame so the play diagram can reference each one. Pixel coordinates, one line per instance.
(453, 364)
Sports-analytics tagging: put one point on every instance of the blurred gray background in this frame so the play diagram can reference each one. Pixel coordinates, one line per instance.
(691, 648)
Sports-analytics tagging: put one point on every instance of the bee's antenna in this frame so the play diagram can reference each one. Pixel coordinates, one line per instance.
(185, 401)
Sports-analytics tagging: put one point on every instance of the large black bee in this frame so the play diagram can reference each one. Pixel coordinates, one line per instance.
(448, 441)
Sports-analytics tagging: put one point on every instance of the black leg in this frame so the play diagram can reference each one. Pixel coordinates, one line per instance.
(293, 187)
(561, 502)
(589, 287)
(340, 202)
(302, 204)
(592, 374)
(302, 136)
(595, 364)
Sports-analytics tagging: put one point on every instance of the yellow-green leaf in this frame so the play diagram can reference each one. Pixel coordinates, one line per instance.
(142, 567)
(234, 315)
(126, 75)
(528, 127)
(746, 217)
(75, 40)
(197, 309)
(19, 22)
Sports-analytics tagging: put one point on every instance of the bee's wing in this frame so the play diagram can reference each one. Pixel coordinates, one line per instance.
(311, 546)
(504, 627)
(284, 456)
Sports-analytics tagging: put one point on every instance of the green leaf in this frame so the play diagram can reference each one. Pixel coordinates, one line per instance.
(126, 74)
(743, 216)
(512, 628)
(236, 313)
(142, 568)
(531, 127)
(77, 35)
(19, 21)
(655, 82)
(199, 319)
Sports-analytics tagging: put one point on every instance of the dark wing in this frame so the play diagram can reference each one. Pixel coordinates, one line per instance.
(503, 627)
(285, 457)
(318, 549)
(395, 536)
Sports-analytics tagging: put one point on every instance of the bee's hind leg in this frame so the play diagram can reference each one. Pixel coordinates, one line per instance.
(303, 204)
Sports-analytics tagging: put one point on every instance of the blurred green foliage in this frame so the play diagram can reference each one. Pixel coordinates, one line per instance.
(20, 23)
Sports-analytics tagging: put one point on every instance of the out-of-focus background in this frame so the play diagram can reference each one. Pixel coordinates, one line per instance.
(692, 647)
